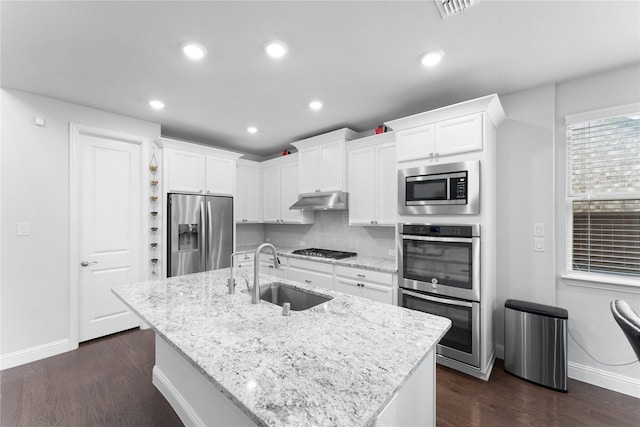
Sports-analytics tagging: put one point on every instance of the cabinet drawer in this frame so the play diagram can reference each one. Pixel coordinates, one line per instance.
(321, 267)
(313, 278)
(365, 275)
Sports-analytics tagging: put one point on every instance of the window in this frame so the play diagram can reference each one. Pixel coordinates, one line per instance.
(603, 164)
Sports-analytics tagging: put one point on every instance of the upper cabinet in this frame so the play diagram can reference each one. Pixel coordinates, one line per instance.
(446, 131)
(280, 190)
(248, 201)
(193, 168)
(322, 161)
(372, 180)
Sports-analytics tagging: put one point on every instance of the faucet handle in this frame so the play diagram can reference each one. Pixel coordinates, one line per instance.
(231, 283)
(285, 309)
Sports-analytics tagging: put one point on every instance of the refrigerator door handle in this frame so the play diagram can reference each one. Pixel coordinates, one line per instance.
(203, 239)
(209, 263)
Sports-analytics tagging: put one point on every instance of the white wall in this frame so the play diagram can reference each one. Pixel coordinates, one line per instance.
(590, 318)
(34, 294)
(531, 188)
(525, 188)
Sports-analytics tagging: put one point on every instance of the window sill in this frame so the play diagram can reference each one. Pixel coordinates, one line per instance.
(602, 281)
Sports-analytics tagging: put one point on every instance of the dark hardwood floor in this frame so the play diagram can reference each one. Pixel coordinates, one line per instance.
(107, 382)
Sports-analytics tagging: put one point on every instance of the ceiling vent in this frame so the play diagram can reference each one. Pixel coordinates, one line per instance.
(448, 8)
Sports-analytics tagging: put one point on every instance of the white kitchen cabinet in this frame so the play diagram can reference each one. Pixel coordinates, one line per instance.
(266, 266)
(453, 136)
(280, 190)
(243, 259)
(185, 171)
(248, 200)
(374, 285)
(192, 168)
(313, 273)
(322, 162)
(219, 175)
(372, 180)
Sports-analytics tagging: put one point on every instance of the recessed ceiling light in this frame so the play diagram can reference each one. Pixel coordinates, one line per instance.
(431, 59)
(315, 105)
(156, 104)
(276, 49)
(193, 51)
(252, 129)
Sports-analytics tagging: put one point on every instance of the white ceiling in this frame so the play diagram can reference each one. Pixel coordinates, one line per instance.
(360, 58)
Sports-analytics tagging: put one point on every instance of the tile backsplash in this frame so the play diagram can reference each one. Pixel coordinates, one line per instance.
(331, 230)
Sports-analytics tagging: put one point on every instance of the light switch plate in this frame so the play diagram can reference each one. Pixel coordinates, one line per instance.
(538, 229)
(538, 244)
(23, 229)
(302, 243)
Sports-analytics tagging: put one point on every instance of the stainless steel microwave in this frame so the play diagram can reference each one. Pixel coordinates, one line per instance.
(452, 188)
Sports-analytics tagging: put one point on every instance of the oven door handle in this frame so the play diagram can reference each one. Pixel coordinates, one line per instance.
(440, 300)
(438, 239)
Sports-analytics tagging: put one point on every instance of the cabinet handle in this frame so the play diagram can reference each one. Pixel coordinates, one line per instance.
(361, 275)
(436, 154)
(317, 191)
(306, 281)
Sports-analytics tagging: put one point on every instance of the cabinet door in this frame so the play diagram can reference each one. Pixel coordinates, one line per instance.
(459, 135)
(289, 193)
(271, 194)
(186, 171)
(362, 178)
(348, 287)
(415, 143)
(308, 167)
(386, 184)
(252, 194)
(377, 292)
(331, 160)
(220, 175)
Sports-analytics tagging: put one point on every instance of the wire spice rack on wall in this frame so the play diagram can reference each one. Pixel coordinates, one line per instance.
(153, 212)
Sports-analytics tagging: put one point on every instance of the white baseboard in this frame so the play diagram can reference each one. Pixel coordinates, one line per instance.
(33, 354)
(179, 404)
(621, 384)
(594, 376)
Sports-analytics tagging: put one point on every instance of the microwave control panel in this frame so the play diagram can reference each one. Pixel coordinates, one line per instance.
(458, 188)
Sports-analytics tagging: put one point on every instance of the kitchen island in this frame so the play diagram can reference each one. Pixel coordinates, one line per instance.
(221, 360)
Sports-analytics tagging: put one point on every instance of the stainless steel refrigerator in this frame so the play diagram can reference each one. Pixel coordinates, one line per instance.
(200, 233)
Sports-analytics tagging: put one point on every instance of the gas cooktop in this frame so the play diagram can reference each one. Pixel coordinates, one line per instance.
(324, 253)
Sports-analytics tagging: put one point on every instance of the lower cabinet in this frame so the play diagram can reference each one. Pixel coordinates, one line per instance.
(317, 274)
(374, 285)
(266, 266)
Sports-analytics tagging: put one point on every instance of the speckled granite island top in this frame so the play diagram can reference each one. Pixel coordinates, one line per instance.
(336, 364)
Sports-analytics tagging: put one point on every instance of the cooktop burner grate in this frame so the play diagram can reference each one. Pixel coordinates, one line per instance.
(324, 253)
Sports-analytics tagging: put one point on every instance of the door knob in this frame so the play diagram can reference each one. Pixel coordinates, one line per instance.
(87, 263)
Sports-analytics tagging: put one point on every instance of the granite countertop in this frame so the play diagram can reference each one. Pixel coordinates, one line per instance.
(336, 364)
(387, 265)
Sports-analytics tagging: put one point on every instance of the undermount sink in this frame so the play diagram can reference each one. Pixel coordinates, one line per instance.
(299, 299)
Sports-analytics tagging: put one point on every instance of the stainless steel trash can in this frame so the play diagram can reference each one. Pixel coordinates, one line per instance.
(535, 343)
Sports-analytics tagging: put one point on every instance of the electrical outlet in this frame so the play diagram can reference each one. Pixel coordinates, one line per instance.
(302, 243)
(538, 229)
(391, 252)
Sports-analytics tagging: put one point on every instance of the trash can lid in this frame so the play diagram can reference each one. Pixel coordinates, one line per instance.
(540, 309)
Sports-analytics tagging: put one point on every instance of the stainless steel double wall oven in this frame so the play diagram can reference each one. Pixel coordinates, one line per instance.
(439, 273)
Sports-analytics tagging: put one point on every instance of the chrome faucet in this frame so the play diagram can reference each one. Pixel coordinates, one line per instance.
(255, 294)
(232, 282)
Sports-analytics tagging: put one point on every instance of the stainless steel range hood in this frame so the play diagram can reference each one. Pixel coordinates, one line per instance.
(321, 201)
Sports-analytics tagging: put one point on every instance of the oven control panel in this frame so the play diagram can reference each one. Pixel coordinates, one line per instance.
(437, 230)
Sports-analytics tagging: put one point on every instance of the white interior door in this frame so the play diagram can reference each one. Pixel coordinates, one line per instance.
(110, 230)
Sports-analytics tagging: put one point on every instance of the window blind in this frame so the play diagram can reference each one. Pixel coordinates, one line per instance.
(604, 189)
